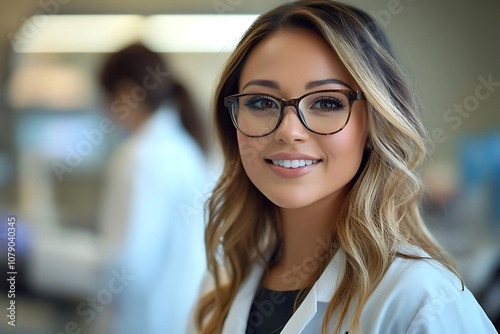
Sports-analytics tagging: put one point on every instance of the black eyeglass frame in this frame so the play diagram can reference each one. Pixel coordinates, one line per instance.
(351, 95)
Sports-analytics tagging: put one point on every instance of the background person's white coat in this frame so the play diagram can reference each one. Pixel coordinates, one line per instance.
(153, 205)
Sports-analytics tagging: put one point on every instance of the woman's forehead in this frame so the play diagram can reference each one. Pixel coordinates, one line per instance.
(293, 58)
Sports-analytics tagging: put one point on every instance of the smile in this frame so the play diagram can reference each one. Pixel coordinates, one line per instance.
(294, 163)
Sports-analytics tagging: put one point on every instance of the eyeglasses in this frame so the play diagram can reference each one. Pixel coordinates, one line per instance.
(323, 112)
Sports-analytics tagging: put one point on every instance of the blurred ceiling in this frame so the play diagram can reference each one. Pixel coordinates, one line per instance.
(168, 6)
(14, 13)
(17, 11)
(454, 13)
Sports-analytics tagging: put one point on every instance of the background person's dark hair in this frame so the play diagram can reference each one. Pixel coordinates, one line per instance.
(134, 63)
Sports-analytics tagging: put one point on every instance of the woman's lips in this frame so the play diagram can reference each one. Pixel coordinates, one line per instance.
(296, 163)
(291, 168)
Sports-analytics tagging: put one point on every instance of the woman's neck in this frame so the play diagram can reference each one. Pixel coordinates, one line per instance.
(306, 241)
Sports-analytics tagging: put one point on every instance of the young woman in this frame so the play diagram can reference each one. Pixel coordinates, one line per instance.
(314, 226)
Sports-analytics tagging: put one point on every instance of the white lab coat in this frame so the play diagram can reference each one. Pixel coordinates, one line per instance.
(413, 297)
(153, 217)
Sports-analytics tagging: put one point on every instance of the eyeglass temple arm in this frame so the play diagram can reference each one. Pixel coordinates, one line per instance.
(358, 95)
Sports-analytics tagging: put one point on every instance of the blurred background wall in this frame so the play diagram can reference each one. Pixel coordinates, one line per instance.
(51, 101)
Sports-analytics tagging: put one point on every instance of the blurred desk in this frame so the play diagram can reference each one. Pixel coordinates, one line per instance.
(65, 263)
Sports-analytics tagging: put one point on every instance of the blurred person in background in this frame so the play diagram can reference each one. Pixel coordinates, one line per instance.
(152, 224)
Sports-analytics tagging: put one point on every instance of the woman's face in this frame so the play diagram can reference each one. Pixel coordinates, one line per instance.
(289, 64)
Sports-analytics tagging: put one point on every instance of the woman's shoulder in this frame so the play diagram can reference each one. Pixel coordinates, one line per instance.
(425, 273)
(422, 295)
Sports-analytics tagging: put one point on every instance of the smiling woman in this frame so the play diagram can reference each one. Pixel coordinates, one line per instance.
(314, 226)
(336, 157)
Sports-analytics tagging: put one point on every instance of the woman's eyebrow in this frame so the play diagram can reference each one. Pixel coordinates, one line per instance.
(263, 83)
(309, 85)
(314, 84)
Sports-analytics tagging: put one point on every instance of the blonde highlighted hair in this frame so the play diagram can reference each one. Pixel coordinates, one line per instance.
(381, 211)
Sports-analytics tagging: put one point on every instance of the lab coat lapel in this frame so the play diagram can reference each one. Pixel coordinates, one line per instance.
(321, 292)
(303, 315)
(237, 316)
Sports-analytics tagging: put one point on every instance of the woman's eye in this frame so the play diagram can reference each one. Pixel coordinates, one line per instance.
(261, 103)
(267, 104)
(328, 104)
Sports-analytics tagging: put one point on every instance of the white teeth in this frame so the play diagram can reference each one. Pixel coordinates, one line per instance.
(294, 163)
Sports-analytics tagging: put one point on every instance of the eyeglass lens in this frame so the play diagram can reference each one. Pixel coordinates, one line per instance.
(323, 112)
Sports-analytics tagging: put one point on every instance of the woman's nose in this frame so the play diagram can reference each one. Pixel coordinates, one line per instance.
(291, 128)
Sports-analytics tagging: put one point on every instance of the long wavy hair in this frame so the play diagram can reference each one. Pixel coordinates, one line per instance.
(381, 211)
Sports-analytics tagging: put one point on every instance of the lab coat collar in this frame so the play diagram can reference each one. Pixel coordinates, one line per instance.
(321, 292)
(237, 316)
